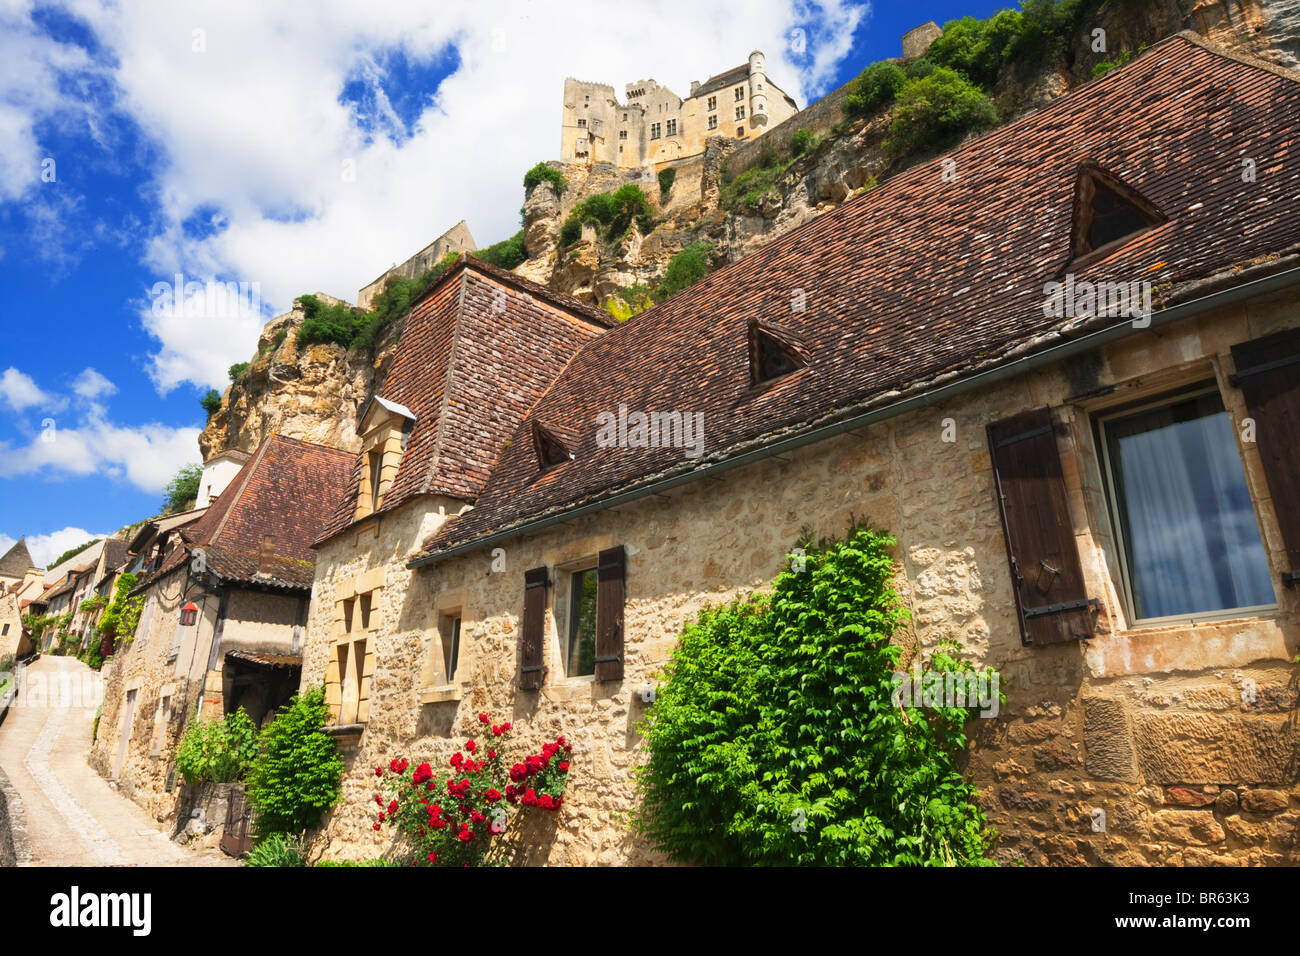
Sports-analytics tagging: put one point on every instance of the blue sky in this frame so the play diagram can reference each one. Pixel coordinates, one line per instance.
(294, 147)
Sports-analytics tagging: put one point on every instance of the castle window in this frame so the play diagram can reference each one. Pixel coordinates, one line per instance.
(654, 130)
(740, 93)
(582, 123)
(713, 102)
(672, 127)
(740, 131)
(624, 117)
(713, 122)
(622, 134)
(740, 112)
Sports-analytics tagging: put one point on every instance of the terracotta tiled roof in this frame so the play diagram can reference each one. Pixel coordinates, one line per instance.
(924, 279)
(17, 560)
(479, 349)
(261, 528)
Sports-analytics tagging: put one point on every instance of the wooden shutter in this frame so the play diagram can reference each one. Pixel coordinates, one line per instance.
(611, 570)
(531, 671)
(1051, 601)
(1268, 374)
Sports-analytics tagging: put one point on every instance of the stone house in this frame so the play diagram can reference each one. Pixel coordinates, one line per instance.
(657, 126)
(224, 613)
(1097, 500)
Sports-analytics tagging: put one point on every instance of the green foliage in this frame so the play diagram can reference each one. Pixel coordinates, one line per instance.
(686, 268)
(541, 173)
(979, 48)
(776, 739)
(323, 324)
(72, 552)
(373, 861)
(237, 370)
(935, 109)
(748, 190)
(296, 778)
(613, 211)
(1104, 67)
(277, 849)
(211, 402)
(123, 612)
(183, 488)
(571, 231)
(629, 301)
(666, 179)
(803, 141)
(218, 750)
(921, 66)
(279, 338)
(507, 253)
(92, 656)
(874, 89)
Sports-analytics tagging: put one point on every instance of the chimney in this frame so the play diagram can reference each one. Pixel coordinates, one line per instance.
(266, 555)
(695, 85)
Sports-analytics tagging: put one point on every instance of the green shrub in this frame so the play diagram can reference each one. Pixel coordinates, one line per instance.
(278, 849)
(875, 88)
(615, 211)
(571, 231)
(507, 253)
(279, 338)
(218, 750)
(183, 488)
(801, 142)
(296, 778)
(373, 861)
(237, 370)
(747, 191)
(120, 618)
(629, 301)
(979, 48)
(1104, 67)
(776, 738)
(541, 173)
(666, 179)
(323, 324)
(684, 269)
(211, 402)
(935, 109)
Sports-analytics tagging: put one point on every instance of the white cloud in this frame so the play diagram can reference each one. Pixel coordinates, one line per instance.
(252, 126)
(147, 455)
(90, 385)
(19, 391)
(46, 547)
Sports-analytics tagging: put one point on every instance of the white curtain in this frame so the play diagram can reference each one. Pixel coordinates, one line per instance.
(1193, 541)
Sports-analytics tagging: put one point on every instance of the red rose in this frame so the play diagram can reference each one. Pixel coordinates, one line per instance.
(492, 796)
(381, 816)
(471, 746)
(505, 726)
(433, 858)
(484, 718)
(496, 730)
(560, 740)
(465, 835)
(492, 755)
(379, 800)
(564, 766)
(376, 826)
(379, 771)
(392, 807)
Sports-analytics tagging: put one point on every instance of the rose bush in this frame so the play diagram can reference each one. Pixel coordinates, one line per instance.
(453, 821)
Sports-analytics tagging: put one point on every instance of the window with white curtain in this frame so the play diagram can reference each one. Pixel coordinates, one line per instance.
(1188, 538)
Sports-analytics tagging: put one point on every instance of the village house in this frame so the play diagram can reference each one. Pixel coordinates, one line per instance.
(1102, 506)
(21, 583)
(98, 589)
(226, 595)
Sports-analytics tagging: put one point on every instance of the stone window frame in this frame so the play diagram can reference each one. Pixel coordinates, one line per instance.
(561, 609)
(1123, 647)
(435, 687)
(1123, 582)
(740, 94)
(357, 621)
(713, 103)
(386, 438)
(162, 720)
(713, 122)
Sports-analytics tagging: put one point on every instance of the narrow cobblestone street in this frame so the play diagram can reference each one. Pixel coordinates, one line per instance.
(64, 813)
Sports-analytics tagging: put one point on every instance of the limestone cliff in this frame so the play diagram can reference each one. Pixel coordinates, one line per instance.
(315, 392)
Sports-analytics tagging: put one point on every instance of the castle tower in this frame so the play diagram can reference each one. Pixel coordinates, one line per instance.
(757, 89)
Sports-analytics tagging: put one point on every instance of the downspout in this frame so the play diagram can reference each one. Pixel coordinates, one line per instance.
(1056, 353)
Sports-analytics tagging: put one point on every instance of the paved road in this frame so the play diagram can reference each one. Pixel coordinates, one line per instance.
(71, 816)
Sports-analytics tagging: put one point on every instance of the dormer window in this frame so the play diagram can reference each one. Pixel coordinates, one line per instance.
(550, 450)
(1108, 211)
(385, 428)
(770, 358)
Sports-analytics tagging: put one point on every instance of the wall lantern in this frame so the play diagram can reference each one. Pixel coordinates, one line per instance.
(189, 614)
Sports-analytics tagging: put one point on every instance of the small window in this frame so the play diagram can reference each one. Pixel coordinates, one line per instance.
(376, 465)
(713, 102)
(672, 127)
(740, 132)
(582, 123)
(1108, 210)
(5, 631)
(654, 130)
(550, 450)
(348, 605)
(740, 112)
(449, 629)
(363, 605)
(1189, 540)
(713, 122)
(622, 134)
(580, 653)
(769, 357)
(740, 93)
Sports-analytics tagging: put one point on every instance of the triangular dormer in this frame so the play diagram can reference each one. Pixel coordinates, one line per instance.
(1107, 212)
(385, 427)
(772, 355)
(551, 450)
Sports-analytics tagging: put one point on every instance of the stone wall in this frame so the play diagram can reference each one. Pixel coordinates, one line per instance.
(1147, 725)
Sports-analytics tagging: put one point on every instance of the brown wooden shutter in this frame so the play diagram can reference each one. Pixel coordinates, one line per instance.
(531, 671)
(611, 571)
(1051, 600)
(1268, 374)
